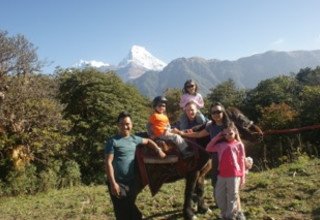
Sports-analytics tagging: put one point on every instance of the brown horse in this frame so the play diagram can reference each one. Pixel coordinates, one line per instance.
(155, 172)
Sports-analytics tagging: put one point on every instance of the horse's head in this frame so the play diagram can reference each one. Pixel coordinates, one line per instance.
(247, 129)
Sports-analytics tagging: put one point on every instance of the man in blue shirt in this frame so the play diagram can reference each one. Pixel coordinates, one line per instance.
(119, 166)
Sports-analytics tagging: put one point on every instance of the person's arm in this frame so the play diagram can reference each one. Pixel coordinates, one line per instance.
(183, 101)
(198, 134)
(115, 189)
(200, 101)
(211, 145)
(152, 145)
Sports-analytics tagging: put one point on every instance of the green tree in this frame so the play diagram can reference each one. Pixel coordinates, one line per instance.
(310, 115)
(281, 148)
(33, 133)
(282, 89)
(17, 55)
(307, 76)
(227, 93)
(92, 102)
(173, 108)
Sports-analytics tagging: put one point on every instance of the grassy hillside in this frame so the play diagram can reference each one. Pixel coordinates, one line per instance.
(291, 191)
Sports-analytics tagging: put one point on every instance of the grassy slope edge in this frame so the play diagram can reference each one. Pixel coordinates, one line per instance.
(291, 191)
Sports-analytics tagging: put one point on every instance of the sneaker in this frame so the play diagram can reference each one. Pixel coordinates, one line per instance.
(240, 216)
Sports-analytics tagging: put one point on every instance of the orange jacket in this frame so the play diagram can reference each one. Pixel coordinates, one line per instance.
(159, 123)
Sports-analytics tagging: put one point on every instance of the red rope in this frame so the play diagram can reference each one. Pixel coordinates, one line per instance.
(293, 130)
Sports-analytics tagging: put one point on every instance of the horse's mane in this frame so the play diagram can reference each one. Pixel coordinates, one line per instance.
(238, 118)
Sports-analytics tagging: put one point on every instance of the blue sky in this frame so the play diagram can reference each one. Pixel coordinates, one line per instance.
(65, 31)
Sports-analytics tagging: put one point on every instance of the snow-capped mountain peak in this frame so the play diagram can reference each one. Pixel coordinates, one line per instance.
(141, 57)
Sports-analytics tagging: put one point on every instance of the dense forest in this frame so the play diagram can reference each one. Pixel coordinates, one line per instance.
(53, 127)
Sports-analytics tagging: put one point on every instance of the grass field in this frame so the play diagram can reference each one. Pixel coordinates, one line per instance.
(291, 191)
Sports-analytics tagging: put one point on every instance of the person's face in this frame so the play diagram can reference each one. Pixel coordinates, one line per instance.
(191, 111)
(125, 126)
(229, 134)
(217, 113)
(161, 108)
(191, 88)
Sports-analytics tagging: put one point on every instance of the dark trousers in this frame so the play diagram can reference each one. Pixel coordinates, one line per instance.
(215, 171)
(125, 207)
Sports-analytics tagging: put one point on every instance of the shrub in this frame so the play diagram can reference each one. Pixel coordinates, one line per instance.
(22, 181)
(71, 175)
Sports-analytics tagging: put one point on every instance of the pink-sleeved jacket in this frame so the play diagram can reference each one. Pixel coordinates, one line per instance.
(231, 157)
(197, 99)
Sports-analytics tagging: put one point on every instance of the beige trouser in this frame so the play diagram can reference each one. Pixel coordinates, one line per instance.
(177, 139)
(226, 194)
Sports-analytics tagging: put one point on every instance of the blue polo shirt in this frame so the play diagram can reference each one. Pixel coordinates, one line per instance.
(123, 150)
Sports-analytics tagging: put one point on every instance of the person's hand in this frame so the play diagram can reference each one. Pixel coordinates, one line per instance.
(161, 153)
(188, 131)
(221, 135)
(248, 163)
(242, 183)
(115, 190)
(176, 131)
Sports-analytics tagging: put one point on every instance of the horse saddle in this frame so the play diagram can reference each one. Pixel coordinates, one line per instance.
(155, 160)
(172, 155)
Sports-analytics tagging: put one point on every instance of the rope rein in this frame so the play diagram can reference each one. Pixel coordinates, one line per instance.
(292, 130)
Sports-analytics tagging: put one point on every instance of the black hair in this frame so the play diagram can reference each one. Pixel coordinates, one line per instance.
(217, 104)
(225, 118)
(189, 82)
(122, 115)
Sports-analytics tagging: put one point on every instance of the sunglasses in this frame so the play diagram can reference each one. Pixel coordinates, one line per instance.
(190, 86)
(161, 105)
(216, 112)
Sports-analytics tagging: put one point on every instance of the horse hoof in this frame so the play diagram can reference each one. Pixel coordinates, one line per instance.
(194, 217)
(204, 209)
(188, 214)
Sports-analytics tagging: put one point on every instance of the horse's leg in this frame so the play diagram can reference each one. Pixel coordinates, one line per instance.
(191, 180)
(199, 188)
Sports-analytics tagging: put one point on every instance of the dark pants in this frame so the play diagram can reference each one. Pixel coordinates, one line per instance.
(125, 207)
(215, 171)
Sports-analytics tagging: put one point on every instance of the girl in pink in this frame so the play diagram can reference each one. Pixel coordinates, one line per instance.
(190, 94)
(231, 176)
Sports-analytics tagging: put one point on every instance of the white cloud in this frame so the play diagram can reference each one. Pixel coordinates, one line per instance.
(92, 63)
(277, 42)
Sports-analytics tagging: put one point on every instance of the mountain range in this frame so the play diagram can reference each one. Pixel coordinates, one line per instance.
(152, 76)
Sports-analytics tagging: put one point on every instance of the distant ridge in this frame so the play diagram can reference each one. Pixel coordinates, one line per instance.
(247, 72)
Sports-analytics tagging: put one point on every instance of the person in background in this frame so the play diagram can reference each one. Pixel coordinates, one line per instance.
(159, 127)
(219, 121)
(191, 112)
(232, 169)
(119, 168)
(190, 93)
